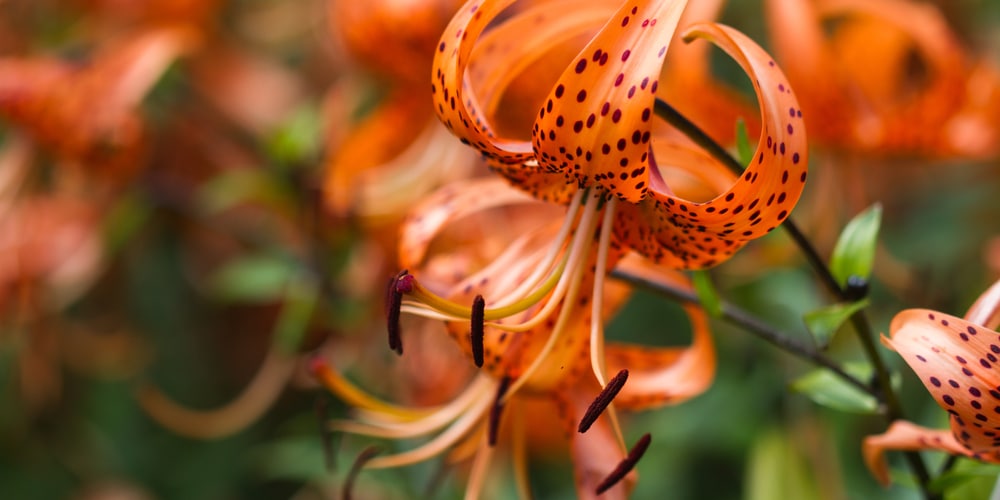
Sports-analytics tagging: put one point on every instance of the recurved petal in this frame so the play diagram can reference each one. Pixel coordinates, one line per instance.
(957, 362)
(597, 121)
(455, 103)
(673, 230)
(375, 140)
(688, 71)
(905, 436)
(986, 310)
(454, 202)
(659, 376)
(512, 70)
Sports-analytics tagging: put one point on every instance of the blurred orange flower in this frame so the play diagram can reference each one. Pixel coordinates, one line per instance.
(890, 79)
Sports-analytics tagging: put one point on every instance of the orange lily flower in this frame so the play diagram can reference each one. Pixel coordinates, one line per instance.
(592, 150)
(535, 354)
(88, 115)
(891, 79)
(956, 359)
(399, 151)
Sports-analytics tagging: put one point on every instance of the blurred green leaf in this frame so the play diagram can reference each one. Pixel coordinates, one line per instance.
(298, 139)
(244, 186)
(827, 389)
(854, 253)
(126, 217)
(776, 469)
(254, 278)
(743, 147)
(295, 458)
(707, 295)
(824, 322)
(967, 480)
(296, 312)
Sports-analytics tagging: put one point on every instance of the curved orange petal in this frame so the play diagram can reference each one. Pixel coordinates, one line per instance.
(597, 121)
(684, 234)
(455, 104)
(521, 58)
(905, 436)
(380, 136)
(450, 204)
(957, 361)
(986, 310)
(659, 376)
(688, 70)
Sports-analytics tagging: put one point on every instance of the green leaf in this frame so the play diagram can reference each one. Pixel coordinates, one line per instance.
(707, 295)
(968, 479)
(777, 468)
(743, 147)
(244, 186)
(296, 312)
(298, 139)
(255, 278)
(854, 253)
(827, 389)
(824, 322)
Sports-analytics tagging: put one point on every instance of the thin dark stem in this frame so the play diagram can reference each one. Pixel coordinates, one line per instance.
(752, 324)
(859, 320)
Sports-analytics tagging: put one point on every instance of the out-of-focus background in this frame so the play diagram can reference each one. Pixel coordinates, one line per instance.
(170, 256)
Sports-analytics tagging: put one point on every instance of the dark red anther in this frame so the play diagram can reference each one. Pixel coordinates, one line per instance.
(494, 426)
(626, 465)
(603, 400)
(359, 463)
(394, 302)
(476, 333)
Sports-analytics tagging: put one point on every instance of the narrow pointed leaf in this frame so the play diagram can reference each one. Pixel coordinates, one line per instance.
(824, 322)
(826, 389)
(854, 253)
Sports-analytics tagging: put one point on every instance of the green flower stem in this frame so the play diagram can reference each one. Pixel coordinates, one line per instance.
(859, 320)
(752, 324)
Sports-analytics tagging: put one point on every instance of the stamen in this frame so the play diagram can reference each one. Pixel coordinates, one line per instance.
(352, 395)
(359, 463)
(496, 410)
(626, 465)
(476, 332)
(398, 285)
(602, 401)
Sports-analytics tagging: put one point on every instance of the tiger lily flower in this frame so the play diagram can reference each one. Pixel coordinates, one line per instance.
(532, 317)
(554, 330)
(891, 79)
(591, 146)
(956, 359)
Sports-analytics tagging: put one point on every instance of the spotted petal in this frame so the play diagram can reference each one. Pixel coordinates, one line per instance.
(597, 121)
(906, 436)
(512, 70)
(690, 234)
(957, 361)
(456, 105)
